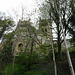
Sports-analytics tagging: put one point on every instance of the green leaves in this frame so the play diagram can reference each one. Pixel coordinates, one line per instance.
(7, 52)
(5, 24)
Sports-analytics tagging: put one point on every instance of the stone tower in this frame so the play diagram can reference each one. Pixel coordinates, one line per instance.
(22, 38)
(44, 31)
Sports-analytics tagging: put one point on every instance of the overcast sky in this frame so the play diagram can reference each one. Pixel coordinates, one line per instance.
(9, 6)
(6, 5)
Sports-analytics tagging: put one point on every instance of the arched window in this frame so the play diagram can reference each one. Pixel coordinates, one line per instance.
(20, 45)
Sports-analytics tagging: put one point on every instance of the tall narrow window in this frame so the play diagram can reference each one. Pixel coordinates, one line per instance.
(45, 30)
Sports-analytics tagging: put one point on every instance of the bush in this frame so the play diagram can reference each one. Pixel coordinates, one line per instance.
(35, 73)
(25, 62)
(49, 56)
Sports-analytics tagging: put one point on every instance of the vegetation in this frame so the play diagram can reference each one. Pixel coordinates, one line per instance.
(30, 51)
(5, 24)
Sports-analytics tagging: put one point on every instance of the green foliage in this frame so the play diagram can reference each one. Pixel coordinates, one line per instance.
(27, 59)
(24, 62)
(21, 70)
(43, 49)
(7, 70)
(40, 69)
(49, 56)
(7, 53)
(21, 49)
(36, 73)
(33, 29)
(9, 36)
(5, 24)
(71, 28)
(44, 68)
(42, 23)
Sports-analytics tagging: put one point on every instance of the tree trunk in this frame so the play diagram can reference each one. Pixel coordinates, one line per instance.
(59, 52)
(32, 45)
(67, 52)
(59, 42)
(55, 68)
(12, 73)
(14, 53)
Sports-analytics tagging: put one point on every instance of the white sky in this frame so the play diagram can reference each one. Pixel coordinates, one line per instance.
(8, 6)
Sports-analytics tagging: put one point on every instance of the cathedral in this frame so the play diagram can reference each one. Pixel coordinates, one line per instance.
(28, 39)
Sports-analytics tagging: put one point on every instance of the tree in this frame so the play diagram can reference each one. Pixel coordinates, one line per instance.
(50, 11)
(58, 10)
(71, 20)
(55, 17)
(47, 24)
(6, 54)
(67, 51)
(5, 24)
(7, 49)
